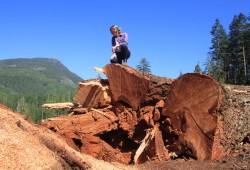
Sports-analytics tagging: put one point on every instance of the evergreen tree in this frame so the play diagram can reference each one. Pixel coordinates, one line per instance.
(229, 58)
(144, 66)
(238, 50)
(247, 38)
(210, 66)
(219, 52)
(197, 68)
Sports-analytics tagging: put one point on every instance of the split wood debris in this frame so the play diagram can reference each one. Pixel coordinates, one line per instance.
(133, 117)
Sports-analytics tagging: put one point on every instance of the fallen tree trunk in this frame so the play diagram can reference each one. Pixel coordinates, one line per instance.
(126, 84)
(183, 111)
(191, 106)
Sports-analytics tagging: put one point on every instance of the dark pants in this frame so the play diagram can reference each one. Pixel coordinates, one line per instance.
(124, 54)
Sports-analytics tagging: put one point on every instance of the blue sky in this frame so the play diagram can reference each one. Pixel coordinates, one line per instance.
(173, 35)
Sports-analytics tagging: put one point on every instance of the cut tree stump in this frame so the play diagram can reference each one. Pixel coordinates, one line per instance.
(191, 104)
(126, 84)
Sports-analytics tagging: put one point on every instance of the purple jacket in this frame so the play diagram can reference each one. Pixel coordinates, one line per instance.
(121, 40)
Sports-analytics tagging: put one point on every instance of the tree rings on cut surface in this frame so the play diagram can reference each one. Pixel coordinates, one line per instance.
(192, 100)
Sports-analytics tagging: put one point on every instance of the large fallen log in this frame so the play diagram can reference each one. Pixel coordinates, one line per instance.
(126, 84)
(182, 112)
(191, 105)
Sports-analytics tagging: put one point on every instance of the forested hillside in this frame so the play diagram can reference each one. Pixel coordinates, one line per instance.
(229, 58)
(25, 84)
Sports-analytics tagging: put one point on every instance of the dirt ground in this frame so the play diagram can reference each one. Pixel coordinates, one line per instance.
(21, 149)
(241, 161)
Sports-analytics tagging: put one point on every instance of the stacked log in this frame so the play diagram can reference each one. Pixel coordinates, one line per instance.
(66, 105)
(134, 118)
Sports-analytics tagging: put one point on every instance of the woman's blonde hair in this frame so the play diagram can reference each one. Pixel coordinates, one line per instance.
(116, 28)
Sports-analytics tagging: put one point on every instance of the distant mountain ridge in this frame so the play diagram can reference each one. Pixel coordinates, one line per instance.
(39, 74)
(26, 84)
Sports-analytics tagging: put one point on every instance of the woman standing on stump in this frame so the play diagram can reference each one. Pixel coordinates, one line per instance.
(120, 49)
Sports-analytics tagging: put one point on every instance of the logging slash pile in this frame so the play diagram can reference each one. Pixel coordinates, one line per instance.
(133, 118)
